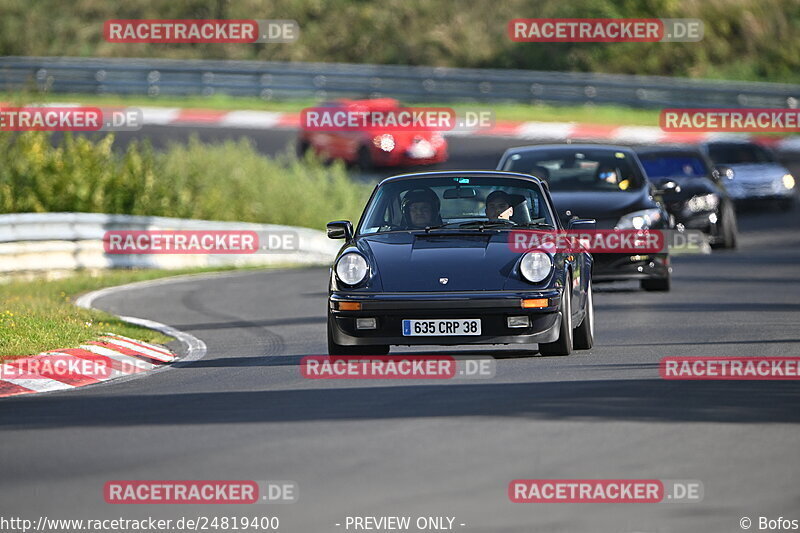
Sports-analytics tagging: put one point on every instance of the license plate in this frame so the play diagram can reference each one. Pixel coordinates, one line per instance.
(421, 150)
(442, 327)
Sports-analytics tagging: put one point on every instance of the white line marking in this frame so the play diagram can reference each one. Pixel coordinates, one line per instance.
(128, 361)
(146, 351)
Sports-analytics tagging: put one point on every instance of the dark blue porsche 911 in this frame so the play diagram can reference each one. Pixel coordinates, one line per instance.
(430, 264)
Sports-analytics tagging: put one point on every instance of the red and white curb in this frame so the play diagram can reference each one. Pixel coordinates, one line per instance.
(531, 130)
(127, 358)
(117, 355)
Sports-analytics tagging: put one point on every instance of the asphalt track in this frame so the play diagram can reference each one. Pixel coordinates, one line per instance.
(418, 448)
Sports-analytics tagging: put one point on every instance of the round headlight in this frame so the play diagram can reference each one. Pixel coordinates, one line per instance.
(351, 268)
(535, 266)
(385, 142)
(788, 181)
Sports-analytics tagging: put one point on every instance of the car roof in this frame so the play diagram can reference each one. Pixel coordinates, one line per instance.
(562, 146)
(723, 142)
(668, 148)
(462, 173)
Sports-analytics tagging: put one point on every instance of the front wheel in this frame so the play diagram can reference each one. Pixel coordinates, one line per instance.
(584, 334)
(786, 205)
(730, 230)
(339, 349)
(658, 285)
(364, 159)
(563, 345)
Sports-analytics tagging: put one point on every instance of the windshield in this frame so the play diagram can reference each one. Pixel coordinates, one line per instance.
(668, 166)
(456, 203)
(733, 154)
(579, 170)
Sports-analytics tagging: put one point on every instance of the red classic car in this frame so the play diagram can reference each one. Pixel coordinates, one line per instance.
(365, 143)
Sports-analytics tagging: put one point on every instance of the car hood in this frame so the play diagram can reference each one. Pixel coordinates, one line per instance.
(417, 262)
(605, 207)
(757, 172)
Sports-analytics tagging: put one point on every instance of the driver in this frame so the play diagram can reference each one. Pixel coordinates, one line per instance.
(421, 208)
(609, 175)
(499, 205)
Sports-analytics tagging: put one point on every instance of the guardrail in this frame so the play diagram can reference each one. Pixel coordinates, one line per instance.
(281, 80)
(32, 243)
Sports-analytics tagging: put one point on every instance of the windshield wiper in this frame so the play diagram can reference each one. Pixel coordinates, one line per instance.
(441, 226)
(483, 224)
(537, 225)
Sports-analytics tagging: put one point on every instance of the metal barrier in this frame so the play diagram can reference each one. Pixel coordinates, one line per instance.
(278, 80)
(50, 242)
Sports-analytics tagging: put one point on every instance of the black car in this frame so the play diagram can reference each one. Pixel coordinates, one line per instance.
(431, 263)
(700, 200)
(608, 184)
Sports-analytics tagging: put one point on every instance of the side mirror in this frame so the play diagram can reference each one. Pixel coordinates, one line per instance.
(582, 224)
(725, 172)
(340, 229)
(668, 187)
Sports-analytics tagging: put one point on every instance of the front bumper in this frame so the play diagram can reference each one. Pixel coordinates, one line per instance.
(493, 308)
(708, 222)
(619, 267)
(402, 158)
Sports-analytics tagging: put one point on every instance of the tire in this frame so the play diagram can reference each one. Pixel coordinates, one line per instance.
(563, 345)
(583, 337)
(730, 230)
(364, 160)
(302, 149)
(656, 285)
(732, 226)
(338, 349)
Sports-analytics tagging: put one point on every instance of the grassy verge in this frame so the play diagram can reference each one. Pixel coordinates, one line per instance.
(229, 181)
(37, 316)
(592, 114)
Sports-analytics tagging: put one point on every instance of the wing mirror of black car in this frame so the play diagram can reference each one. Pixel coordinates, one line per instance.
(460, 192)
(668, 187)
(582, 224)
(724, 172)
(340, 229)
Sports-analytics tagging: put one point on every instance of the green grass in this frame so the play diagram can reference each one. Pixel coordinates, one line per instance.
(743, 39)
(591, 114)
(228, 181)
(37, 316)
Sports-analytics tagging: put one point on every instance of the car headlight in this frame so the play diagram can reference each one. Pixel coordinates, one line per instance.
(352, 268)
(385, 142)
(535, 266)
(643, 219)
(706, 202)
(788, 181)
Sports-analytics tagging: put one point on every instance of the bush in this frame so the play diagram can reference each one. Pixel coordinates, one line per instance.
(228, 181)
(744, 39)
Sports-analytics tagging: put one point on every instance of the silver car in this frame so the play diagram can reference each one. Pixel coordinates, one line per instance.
(752, 172)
